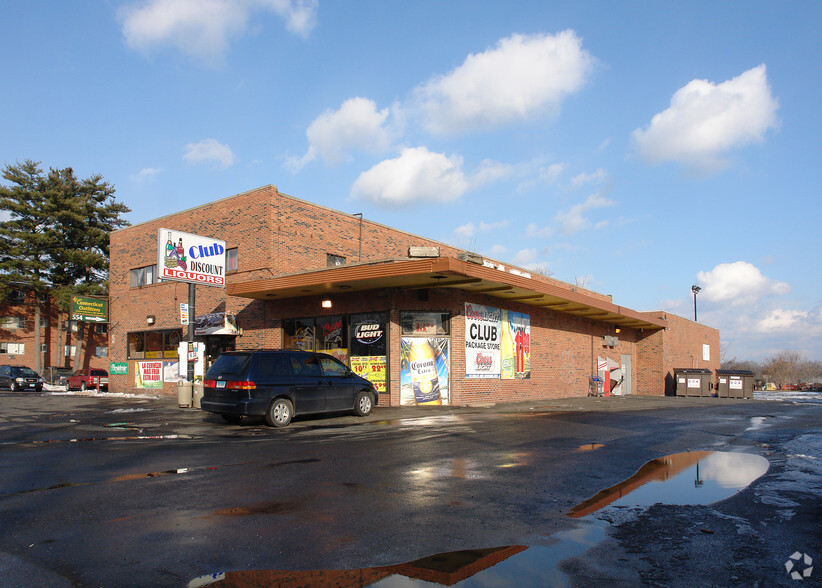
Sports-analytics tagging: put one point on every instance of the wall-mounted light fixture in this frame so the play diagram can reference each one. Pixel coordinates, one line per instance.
(326, 304)
(150, 319)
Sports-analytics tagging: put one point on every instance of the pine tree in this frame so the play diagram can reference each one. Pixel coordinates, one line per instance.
(56, 240)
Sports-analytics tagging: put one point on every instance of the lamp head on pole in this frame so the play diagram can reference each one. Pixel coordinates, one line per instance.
(695, 289)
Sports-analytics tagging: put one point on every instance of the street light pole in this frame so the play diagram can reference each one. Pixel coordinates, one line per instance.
(695, 289)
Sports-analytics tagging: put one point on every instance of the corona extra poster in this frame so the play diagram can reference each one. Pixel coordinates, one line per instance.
(424, 371)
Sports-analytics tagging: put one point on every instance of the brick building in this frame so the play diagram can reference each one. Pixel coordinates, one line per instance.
(58, 336)
(426, 321)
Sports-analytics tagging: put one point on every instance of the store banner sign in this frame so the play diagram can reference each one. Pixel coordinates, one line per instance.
(190, 258)
(516, 345)
(149, 374)
(483, 335)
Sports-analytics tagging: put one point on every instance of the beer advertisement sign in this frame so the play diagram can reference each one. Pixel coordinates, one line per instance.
(483, 334)
(424, 371)
(190, 258)
(515, 345)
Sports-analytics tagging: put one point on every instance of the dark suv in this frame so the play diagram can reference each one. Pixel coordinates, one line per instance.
(18, 377)
(281, 384)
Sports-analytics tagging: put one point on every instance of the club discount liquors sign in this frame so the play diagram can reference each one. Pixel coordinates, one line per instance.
(190, 258)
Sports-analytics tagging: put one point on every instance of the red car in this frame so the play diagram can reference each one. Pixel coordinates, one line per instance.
(88, 379)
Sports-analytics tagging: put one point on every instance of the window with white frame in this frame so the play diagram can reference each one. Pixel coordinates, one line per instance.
(231, 260)
(101, 351)
(69, 350)
(13, 348)
(12, 322)
(143, 276)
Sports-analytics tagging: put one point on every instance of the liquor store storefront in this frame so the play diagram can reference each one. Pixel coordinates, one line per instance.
(447, 331)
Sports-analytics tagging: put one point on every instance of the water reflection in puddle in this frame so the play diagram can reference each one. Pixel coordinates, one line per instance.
(700, 477)
(696, 477)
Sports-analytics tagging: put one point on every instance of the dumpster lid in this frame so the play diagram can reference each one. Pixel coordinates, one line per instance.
(735, 372)
(692, 371)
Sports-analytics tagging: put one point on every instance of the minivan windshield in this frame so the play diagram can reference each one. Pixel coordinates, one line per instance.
(230, 363)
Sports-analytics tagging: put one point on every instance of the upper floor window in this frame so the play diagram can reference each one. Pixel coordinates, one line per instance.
(231, 260)
(334, 260)
(143, 276)
(12, 322)
(17, 297)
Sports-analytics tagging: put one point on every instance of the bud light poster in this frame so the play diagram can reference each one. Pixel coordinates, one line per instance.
(483, 333)
(424, 371)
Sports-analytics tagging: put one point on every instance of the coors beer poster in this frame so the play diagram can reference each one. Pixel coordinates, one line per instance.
(483, 333)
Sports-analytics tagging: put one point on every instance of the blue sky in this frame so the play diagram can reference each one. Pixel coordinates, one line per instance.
(636, 148)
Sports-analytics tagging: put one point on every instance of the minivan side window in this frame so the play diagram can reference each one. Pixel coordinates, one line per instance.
(306, 365)
(273, 366)
(333, 368)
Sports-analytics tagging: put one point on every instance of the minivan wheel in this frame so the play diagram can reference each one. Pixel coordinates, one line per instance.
(279, 412)
(364, 403)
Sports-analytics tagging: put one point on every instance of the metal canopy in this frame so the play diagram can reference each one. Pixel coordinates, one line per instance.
(440, 272)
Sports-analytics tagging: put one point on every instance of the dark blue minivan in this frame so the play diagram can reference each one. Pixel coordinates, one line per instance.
(279, 385)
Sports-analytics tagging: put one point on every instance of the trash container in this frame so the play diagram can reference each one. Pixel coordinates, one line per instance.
(692, 381)
(184, 390)
(734, 383)
(198, 394)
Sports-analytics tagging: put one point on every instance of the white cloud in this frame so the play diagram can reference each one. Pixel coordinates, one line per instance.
(524, 76)
(203, 28)
(469, 229)
(598, 177)
(145, 175)
(209, 150)
(781, 320)
(534, 231)
(524, 257)
(356, 125)
(705, 120)
(417, 175)
(739, 284)
(575, 219)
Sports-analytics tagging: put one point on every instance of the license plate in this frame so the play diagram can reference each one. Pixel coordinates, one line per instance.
(221, 384)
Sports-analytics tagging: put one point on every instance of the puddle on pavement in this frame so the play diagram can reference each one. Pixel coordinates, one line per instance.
(590, 447)
(692, 478)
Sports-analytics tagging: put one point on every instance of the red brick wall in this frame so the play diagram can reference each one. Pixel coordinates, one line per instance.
(678, 346)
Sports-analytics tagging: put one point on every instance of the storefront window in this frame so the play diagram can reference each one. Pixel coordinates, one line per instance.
(424, 324)
(154, 344)
(368, 336)
(299, 334)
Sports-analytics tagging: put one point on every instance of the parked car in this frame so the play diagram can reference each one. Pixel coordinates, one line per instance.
(280, 384)
(56, 375)
(19, 377)
(88, 378)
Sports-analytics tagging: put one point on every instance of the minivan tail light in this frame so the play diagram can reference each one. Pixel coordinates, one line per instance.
(241, 385)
